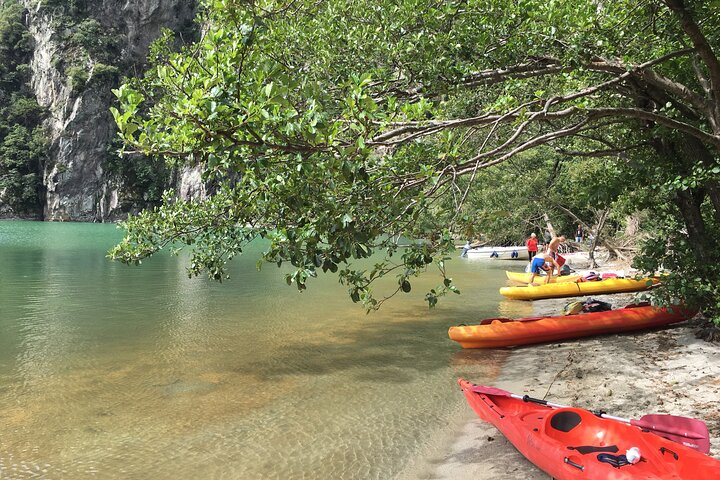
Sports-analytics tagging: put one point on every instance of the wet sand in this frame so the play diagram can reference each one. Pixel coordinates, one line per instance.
(628, 375)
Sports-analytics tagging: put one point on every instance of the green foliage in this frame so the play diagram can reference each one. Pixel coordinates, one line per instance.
(15, 48)
(23, 148)
(88, 34)
(105, 74)
(89, 37)
(90, 51)
(336, 128)
(22, 153)
(687, 279)
(23, 111)
(144, 179)
(78, 78)
(66, 8)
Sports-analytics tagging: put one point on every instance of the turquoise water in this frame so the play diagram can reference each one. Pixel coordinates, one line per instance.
(111, 371)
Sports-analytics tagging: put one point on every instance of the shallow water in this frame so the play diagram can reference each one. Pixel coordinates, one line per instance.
(110, 371)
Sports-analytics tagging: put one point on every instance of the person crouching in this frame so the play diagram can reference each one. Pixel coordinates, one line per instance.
(544, 263)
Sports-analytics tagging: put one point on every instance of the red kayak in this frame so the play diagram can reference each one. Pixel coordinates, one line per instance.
(572, 443)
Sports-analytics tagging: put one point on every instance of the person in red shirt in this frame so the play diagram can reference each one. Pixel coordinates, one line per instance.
(532, 246)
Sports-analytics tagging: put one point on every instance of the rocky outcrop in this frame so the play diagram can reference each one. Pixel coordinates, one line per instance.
(80, 126)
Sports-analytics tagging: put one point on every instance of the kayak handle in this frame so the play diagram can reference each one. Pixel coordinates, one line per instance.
(675, 455)
(528, 398)
(573, 464)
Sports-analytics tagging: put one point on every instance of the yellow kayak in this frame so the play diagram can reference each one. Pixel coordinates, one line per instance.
(522, 277)
(577, 289)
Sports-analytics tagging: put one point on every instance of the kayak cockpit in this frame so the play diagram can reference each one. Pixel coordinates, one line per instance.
(577, 427)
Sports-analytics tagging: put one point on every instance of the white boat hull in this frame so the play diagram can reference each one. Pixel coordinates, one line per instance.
(503, 253)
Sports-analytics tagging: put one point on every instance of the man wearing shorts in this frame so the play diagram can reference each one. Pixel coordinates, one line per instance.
(542, 263)
(552, 249)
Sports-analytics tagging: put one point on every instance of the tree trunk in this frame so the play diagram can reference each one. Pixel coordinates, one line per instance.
(550, 228)
(713, 190)
(683, 154)
(596, 236)
(632, 226)
(692, 151)
(689, 205)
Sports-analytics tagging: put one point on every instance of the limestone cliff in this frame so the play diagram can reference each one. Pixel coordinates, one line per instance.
(74, 84)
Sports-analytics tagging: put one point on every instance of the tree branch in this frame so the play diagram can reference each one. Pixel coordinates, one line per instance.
(640, 114)
(703, 48)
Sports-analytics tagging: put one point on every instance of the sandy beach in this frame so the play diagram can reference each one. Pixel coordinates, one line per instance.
(628, 375)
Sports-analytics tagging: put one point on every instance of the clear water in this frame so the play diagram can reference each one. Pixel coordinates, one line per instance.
(118, 372)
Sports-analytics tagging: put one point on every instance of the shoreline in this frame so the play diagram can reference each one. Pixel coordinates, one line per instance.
(631, 374)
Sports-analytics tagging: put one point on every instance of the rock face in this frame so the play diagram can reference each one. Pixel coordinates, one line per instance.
(80, 125)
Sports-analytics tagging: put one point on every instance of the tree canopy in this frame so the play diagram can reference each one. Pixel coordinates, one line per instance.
(339, 129)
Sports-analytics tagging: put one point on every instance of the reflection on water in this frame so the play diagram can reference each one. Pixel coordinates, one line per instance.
(515, 308)
(108, 371)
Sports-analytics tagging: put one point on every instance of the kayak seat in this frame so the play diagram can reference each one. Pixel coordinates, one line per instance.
(565, 420)
(574, 426)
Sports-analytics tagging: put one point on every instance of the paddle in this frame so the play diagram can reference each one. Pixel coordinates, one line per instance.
(686, 431)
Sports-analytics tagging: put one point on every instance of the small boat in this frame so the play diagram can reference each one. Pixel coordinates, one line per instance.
(523, 277)
(573, 443)
(505, 332)
(507, 253)
(577, 289)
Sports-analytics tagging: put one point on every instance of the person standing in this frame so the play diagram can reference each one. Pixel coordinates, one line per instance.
(465, 249)
(552, 249)
(579, 234)
(532, 246)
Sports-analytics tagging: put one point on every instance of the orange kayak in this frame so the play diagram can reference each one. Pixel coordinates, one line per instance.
(505, 332)
(577, 289)
(573, 443)
(522, 277)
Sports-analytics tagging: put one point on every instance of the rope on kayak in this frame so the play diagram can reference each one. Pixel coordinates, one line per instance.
(570, 361)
